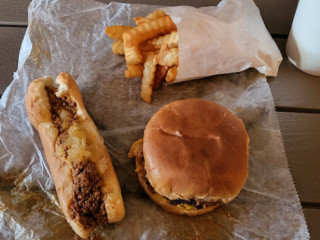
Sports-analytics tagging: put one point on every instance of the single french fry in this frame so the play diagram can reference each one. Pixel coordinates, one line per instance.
(156, 14)
(115, 32)
(141, 20)
(168, 57)
(117, 47)
(160, 26)
(148, 78)
(171, 39)
(134, 71)
(172, 73)
(133, 55)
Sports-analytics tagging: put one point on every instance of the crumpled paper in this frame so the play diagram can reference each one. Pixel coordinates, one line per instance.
(68, 35)
(227, 38)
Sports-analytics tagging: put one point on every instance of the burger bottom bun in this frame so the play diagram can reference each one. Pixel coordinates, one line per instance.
(163, 202)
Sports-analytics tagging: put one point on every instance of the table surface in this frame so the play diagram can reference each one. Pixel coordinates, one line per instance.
(296, 94)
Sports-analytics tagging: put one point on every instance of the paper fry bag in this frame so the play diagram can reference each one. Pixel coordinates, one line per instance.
(230, 37)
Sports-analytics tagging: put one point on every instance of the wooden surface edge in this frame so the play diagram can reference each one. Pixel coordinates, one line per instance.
(293, 88)
(312, 216)
(301, 136)
(277, 22)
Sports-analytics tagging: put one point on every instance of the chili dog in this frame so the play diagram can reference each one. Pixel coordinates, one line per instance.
(85, 180)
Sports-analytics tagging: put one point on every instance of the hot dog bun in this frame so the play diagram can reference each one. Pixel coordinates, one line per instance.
(75, 153)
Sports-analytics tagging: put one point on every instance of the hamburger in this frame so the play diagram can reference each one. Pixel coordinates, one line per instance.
(193, 156)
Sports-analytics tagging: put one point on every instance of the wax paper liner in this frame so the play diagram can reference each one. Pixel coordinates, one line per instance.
(68, 35)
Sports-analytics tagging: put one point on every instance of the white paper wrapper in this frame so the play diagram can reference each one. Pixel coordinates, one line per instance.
(68, 35)
(230, 37)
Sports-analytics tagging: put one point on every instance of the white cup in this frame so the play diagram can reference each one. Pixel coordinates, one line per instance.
(303, 44)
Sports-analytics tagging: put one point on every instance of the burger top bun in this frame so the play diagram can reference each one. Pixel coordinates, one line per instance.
(196, 149)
